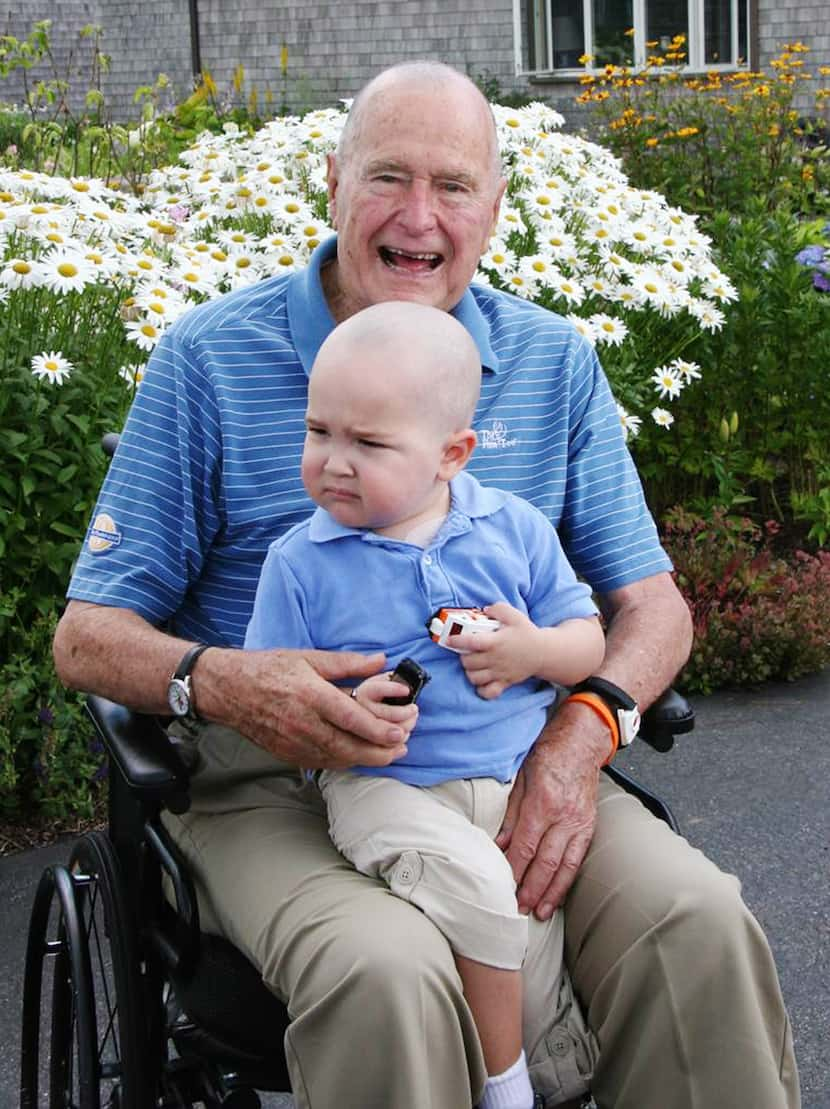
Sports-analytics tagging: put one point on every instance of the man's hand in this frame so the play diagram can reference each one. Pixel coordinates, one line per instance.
(493, 661)
(550, 816)
(285, 702)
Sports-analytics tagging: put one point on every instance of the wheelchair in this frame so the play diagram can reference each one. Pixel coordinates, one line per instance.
(126, 1004)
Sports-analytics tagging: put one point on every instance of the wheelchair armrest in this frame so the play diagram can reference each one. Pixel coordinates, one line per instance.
(670, 715)
(141, 750)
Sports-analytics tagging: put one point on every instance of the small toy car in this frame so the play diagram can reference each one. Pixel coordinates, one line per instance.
(449, 622)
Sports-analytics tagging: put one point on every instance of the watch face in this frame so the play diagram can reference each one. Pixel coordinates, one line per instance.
(177, 697)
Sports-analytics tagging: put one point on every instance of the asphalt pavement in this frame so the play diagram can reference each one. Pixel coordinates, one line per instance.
(750, 786)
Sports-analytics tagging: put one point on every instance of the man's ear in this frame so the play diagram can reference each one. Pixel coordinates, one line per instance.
(332, 182)
(456, 452)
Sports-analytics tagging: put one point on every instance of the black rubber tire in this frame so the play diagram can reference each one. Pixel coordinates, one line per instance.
(114, 970)
(80, 924)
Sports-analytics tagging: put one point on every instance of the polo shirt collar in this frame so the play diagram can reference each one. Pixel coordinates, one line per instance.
(468, 500)
(311, 321)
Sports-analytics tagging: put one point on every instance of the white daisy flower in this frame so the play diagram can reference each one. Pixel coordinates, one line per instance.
(687, 371)
(21, 273)
(662, 418)
(568, 288)
(709, 317)
(236, 239)
(510, 220)
(66, 271)
(559, 243)
(608, 329)
(630, 424)
(144, 333)
(583, 326)
(498, 257)
(522, 285)
(720, 289)
(667, 382)
(538, 268)
(195, 278)
(52, 367)
(283, 260)
(133, 374)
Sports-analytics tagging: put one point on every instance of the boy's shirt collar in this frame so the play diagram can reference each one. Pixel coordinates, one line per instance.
(468, 499)
(311, 321)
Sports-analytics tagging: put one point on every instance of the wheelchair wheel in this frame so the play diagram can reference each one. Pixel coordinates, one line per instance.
(80, 924)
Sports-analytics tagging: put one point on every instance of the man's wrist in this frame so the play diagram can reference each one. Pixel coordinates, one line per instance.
(578, 727)
(211, 690)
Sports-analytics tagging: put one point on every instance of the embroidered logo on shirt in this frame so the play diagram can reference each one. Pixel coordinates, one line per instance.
(104, 534)
(495, 437)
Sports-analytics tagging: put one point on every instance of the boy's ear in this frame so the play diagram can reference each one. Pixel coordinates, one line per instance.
(456, 452)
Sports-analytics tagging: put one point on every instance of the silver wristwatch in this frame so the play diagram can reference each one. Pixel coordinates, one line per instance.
(179, 690)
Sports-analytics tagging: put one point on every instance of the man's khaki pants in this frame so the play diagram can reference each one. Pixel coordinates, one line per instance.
(671, 971)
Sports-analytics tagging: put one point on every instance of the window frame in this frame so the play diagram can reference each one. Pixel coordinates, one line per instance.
(694, 46)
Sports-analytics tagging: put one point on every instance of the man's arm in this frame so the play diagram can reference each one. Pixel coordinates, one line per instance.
(550, 818)
(282, 700)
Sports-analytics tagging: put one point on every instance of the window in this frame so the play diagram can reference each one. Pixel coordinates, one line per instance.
(552, 35)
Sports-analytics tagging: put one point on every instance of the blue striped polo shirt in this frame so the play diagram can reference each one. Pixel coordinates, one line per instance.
(207, 473)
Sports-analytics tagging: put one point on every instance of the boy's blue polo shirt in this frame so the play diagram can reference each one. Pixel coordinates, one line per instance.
(332, 587)
(208, 471)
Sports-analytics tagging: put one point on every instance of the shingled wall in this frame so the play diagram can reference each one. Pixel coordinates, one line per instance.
(332, 47)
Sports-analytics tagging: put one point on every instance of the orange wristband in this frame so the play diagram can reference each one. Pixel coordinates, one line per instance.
(604, 713)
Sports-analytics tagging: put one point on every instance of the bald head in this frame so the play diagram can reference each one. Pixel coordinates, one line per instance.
(425, 352)
(415, 77)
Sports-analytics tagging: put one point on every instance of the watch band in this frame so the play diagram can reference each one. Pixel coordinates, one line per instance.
(189, 660)
(180, 688)
(620, 703)
(612, 694)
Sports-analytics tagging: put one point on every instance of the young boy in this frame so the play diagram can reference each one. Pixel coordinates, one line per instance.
(400, 532)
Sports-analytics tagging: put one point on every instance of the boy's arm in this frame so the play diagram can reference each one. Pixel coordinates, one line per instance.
(564, 654)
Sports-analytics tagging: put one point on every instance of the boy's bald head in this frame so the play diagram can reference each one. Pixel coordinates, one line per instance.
(428, 353)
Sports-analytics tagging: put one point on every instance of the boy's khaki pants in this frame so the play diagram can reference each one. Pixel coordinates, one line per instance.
(672, 972)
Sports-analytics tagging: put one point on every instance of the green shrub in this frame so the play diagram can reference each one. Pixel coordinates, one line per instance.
(757, 615)
(732, 149)
(757, 434)
(51, 762)
(50, 440)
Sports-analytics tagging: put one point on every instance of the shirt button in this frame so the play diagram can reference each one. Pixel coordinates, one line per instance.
(560, 1045)
(427, 560)
(405, 875)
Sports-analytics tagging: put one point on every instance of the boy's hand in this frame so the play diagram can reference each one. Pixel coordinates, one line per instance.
(371, 694)
(496, 660)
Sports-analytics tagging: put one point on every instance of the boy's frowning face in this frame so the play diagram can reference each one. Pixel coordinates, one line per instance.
(372, 456)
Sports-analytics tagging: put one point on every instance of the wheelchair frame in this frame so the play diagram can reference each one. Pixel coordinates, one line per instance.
(145, 1009)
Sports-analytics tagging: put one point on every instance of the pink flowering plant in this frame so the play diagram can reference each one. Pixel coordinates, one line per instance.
(757, 614)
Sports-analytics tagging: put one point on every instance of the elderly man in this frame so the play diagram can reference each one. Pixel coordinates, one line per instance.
(676, 983)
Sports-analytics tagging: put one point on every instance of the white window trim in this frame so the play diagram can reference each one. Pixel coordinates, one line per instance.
(694, 45)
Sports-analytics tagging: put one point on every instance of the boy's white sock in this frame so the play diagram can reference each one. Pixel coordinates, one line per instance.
(509, 1090)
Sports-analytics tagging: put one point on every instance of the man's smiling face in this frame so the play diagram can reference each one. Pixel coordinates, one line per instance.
(414, 197)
